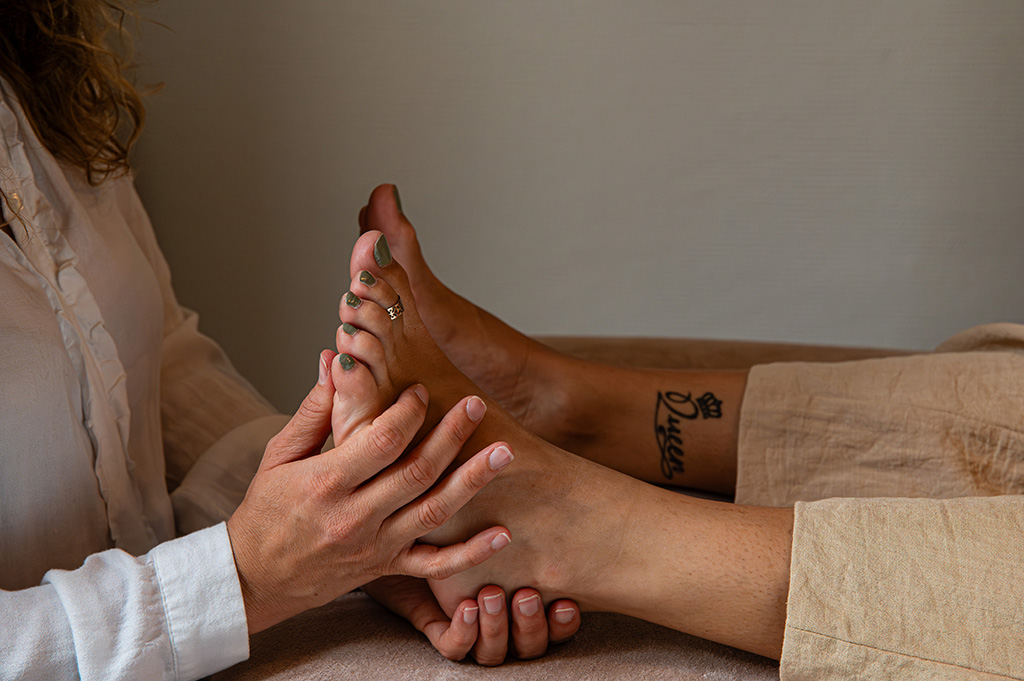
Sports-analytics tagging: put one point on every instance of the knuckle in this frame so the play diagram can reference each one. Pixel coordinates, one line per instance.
(489, 658)
(286, 438)
(432, 513)
(463, 640)
(437, 572)
(341, 533)
(439, 569)
(309, 410)
(418, 474)
(494, 627)
(530, 652)
(275, 441)
(320, 489)
(476, 476)
(455, 431)
(532, 626)
(385, 439)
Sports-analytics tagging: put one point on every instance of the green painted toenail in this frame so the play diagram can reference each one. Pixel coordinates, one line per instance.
(398, 200)
(346, 361)
(367, 278)
(349, 329)
(381, 252)
(352, 300)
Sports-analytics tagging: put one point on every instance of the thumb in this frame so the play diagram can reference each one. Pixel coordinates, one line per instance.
(308, 429)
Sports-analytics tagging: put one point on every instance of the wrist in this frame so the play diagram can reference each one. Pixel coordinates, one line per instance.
(259, 614)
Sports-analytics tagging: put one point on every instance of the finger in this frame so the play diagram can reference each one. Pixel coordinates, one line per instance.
(308, 429)
(377, 446)
(407, 480)
(435, 507)
(563, 620)
(363, 225)
(424, 560)
(412, 599)
(529, 624)
(492, 643)
(456, 638)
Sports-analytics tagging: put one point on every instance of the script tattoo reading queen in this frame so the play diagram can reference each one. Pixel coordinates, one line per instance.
(671, 410)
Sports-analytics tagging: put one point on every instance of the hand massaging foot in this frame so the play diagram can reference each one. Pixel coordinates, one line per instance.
(546, 497)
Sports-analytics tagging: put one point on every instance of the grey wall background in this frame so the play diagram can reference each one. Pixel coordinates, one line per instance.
(820, 171)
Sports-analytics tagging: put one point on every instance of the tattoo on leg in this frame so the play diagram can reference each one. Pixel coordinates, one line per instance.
(671, 409)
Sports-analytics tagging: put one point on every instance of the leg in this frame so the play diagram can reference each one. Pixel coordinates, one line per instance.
(583, 531)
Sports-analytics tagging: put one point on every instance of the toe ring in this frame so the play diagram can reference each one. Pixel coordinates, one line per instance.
(396, 310)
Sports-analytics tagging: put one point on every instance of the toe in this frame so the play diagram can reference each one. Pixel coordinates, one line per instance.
(372, 254)
(367, 349)
(356, 398)
(368, 316)
(384, 212)
(378, 291)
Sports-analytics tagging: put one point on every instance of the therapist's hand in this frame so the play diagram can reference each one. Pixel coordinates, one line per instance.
(314, 526)
(480, 627)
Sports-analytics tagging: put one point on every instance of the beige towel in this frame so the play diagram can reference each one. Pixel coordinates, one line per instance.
(354, 638)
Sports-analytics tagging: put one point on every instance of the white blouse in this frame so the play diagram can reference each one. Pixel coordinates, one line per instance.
(121, 427)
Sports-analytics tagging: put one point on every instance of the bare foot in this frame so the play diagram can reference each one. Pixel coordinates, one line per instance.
(528, 379)
(540, 497)
(581, 531)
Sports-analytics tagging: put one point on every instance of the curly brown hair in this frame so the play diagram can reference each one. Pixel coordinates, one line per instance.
(66, 61)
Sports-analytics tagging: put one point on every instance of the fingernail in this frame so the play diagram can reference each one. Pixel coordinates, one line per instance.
(530, 605)
(500, 542)
(421, 393)
(349, 329)
(346, 361)
(398, 199)
(499, 458)
(564, 615)
(381, 251)
(322, 378)
(475, 409)
(492, 604)
(469, 615)
(367, 278)
(352, 300)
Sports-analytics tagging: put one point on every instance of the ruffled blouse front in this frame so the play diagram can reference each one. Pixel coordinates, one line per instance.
(121, 427)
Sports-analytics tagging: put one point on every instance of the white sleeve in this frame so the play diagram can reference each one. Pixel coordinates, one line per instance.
(216, 483)
(175, 613)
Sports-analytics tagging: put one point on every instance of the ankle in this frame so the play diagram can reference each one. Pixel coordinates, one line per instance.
(594, 525)
(555, 402)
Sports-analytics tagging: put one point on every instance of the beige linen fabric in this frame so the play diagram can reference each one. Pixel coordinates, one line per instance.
(354, 638)
(891, 586)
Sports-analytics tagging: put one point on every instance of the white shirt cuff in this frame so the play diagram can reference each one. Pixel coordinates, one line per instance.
(203, 602)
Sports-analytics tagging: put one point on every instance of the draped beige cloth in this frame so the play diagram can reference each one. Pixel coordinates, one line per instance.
(906, 474)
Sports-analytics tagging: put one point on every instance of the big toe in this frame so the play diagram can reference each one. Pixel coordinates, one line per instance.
(384, 213)
(356, 397)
